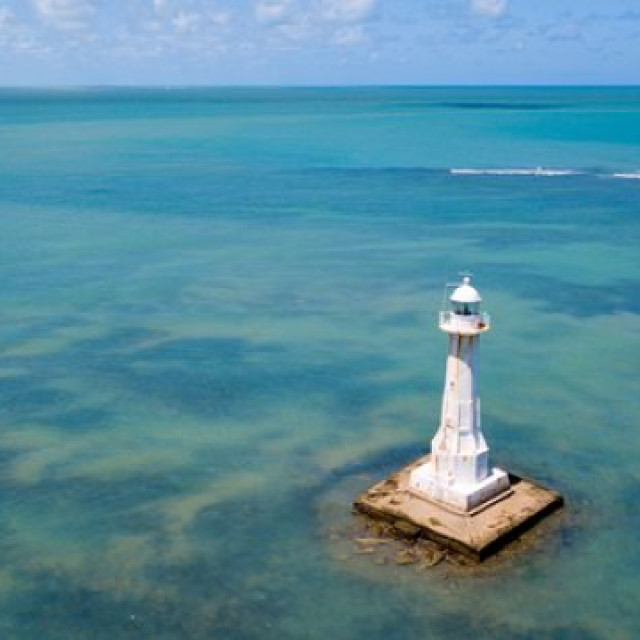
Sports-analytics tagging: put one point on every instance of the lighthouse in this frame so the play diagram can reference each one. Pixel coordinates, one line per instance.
(457, 474)
(452, 496)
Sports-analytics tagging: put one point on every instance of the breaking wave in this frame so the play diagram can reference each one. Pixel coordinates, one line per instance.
(628, 176)
(537, 171)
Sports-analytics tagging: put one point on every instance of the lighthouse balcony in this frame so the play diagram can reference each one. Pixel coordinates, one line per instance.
(468, 325)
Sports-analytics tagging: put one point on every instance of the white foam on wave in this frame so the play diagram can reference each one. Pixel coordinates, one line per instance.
(538, 171)
(628, 176)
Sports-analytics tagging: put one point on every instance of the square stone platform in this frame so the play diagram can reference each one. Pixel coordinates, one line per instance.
(478, 533)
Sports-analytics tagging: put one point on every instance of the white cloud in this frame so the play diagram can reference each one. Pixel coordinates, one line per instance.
(159, 5)
(349, 35)
(65, 14)
(219, 18)
(283, 35)
(489, 8)
(273, 11)
(9, 31)
(184, 21)
(6, 17)
(17, 37)
(346, 11)
(564, 31)
(330, 22)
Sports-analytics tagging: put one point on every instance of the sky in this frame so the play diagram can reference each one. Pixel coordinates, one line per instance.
(318, 42)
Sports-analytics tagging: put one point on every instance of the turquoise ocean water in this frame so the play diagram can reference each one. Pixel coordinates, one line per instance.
(218, 325)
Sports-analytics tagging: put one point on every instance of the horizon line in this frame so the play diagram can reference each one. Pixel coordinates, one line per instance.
(266, 85)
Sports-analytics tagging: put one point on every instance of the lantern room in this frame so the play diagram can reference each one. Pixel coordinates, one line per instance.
(462, 313)
(465, 300)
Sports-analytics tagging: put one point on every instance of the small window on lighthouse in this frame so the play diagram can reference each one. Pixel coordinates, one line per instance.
(465, 299)
(466, 308)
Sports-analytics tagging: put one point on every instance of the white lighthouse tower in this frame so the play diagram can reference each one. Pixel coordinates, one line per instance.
(457, 473)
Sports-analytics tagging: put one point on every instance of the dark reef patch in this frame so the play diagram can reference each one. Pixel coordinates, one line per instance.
(501, 106)
(559, 295)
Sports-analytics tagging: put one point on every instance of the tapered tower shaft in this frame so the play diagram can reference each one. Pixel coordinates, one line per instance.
(459, 448)
(458, 472)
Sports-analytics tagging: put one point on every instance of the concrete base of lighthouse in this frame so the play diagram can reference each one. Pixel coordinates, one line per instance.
(458, 496)
(479, 532)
